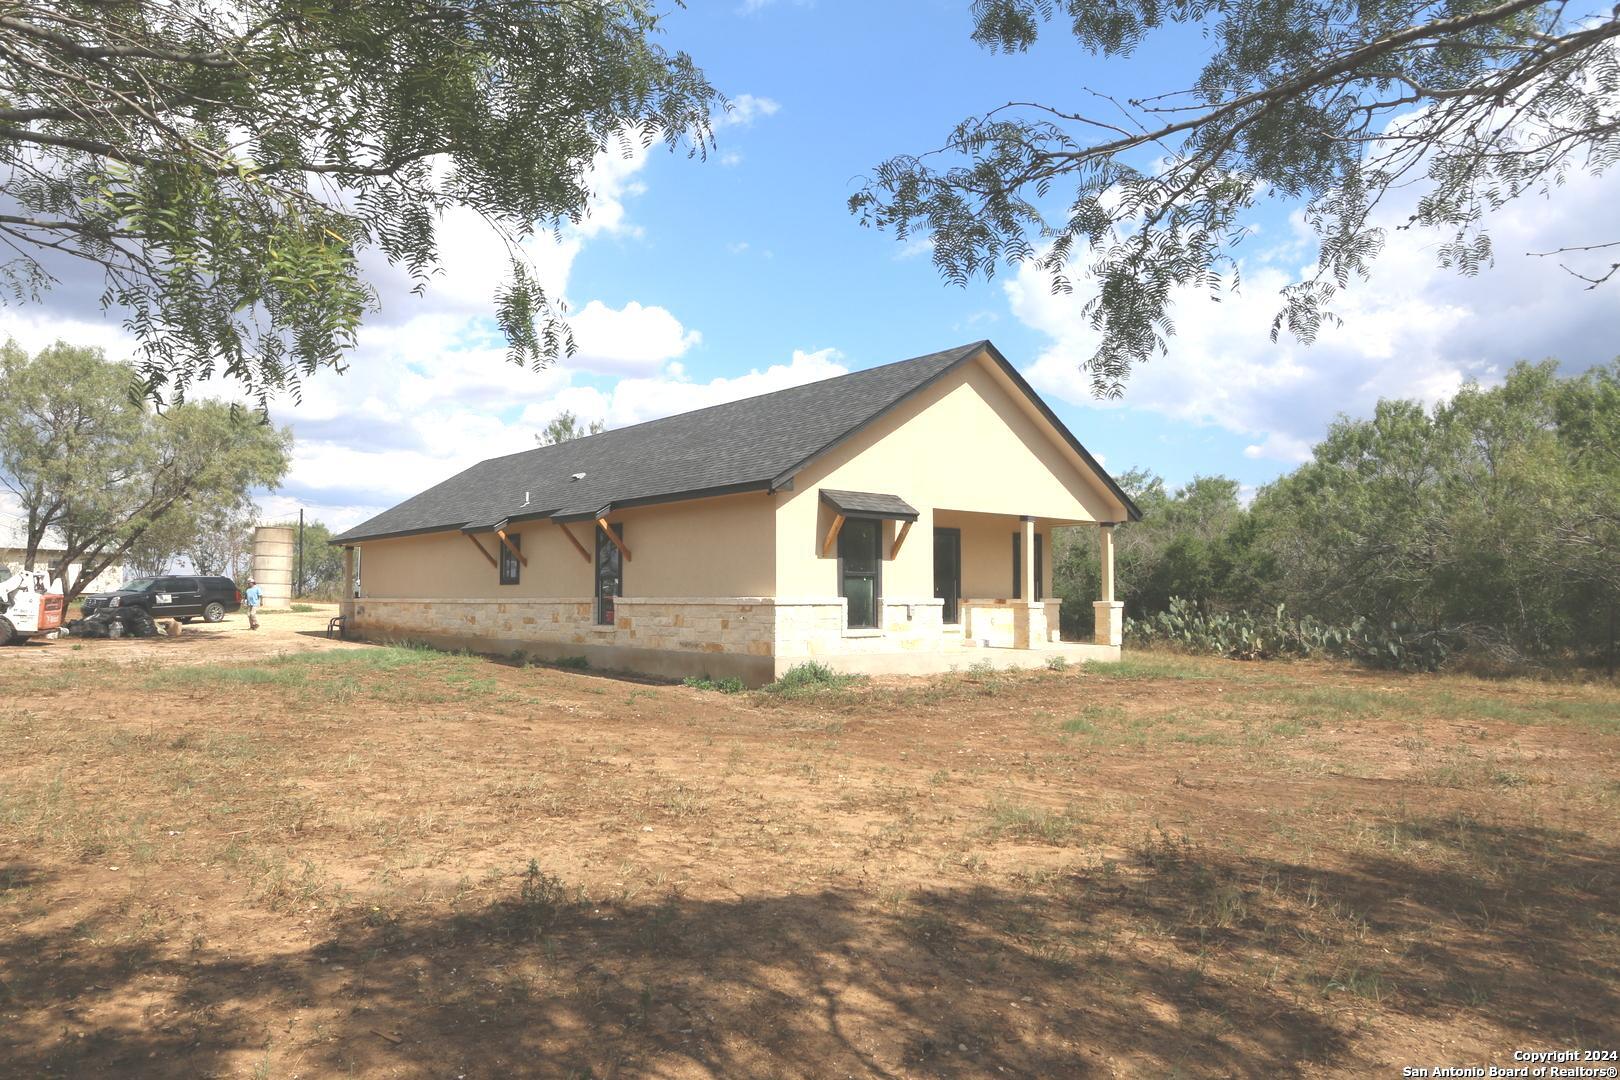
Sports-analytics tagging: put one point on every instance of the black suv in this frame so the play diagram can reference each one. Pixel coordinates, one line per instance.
(182, 598)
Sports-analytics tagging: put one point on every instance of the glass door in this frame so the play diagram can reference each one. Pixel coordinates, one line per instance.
(609, 573)
(860, 569)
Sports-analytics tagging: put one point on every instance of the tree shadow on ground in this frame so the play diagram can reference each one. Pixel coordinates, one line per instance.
(1179, 959)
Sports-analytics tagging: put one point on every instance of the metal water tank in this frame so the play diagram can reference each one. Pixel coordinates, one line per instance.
(274, 552)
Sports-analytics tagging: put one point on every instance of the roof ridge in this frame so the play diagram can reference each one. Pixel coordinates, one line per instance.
(740, 401)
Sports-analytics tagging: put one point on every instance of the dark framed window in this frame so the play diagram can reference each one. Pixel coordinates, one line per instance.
(609, 573)
(1018, 567)
(860, 569)
(510, 567)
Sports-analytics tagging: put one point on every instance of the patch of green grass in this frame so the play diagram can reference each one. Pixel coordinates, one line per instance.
(183, 678)
(302, 609)
(572, 663)
(1600, 714)
(732, 685)
(1094, 720)
(808, 678)
(1337, 702)
(1133, 666)
(1032, 823)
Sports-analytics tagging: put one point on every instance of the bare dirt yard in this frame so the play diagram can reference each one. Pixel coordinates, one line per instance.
(269, 855)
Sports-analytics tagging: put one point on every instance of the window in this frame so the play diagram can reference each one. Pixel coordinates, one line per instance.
(609, 573)
(511, 569)
(860, 569)
(1018, 567)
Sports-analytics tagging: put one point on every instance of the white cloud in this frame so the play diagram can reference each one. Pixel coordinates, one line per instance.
(745, 109)
(731, 159)
(1414, 330)
(630, 339)
(634, 400)
(428, 390)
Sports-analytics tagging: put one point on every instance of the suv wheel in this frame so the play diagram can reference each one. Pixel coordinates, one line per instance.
(214, 612)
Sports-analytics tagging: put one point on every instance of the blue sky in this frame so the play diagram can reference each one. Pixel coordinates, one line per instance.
(694, 282)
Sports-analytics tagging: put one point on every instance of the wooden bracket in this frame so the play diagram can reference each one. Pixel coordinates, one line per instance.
(613, 536)
(516, 554)
(481, 549)
(900, 539)
(572, 539)
(832, 535)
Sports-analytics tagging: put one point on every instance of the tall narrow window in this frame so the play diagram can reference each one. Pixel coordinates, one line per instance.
(510, 567)
(1018, 567)
(860, 569)
(609, 573)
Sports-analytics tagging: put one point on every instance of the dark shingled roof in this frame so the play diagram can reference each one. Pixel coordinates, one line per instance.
(751, 445)
(868, 504)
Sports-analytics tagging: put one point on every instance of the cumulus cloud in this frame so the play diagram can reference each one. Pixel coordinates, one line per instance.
(428, 390)
(745, 109)
(634, 400)
(633, 338)
(1414, 330)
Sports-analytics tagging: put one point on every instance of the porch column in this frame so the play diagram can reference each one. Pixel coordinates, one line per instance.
(1110, 613)
(346, 598)
(1029, 614)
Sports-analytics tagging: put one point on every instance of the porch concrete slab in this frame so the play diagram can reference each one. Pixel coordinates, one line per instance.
(961, 658)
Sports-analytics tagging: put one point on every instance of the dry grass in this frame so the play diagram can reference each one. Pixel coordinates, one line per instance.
(389, 861)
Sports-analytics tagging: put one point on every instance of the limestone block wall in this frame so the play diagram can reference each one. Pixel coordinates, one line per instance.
(753, 637)
(988, 622)
(564, 621)
(742, 624)
(810, 628)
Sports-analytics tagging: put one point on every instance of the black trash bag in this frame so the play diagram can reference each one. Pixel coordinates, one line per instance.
(138, 622)
(113, 623)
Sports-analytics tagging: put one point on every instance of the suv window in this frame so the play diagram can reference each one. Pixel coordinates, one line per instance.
(177, 584)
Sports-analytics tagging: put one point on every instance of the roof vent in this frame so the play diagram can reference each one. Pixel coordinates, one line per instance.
(525, 498)
(576, 478)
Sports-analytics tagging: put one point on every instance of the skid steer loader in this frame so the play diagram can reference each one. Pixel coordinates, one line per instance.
(29, 605)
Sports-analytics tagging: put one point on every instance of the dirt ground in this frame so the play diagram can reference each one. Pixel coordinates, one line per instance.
(271, 855)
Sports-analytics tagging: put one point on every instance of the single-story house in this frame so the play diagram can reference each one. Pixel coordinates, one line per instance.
(51, 556)
(893, 520)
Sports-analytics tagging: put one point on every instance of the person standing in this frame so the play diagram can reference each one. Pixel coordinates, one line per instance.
(252, 598)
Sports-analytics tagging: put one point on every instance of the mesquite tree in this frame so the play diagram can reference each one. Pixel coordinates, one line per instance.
(1335, 104)
(224, 166)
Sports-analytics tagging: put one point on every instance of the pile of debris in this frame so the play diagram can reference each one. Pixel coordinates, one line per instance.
(117, 622)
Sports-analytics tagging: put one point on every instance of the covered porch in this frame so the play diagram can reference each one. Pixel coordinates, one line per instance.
(994, 576)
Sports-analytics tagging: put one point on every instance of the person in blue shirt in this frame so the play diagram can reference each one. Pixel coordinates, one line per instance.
(252, 598)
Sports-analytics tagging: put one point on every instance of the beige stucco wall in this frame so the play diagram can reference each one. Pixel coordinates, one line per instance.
(967, 443)
(705, 547)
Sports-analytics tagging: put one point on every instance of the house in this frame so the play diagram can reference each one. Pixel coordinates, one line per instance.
(50, 555)
(893, 520)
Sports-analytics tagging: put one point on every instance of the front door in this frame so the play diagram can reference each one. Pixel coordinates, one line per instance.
(948, 572)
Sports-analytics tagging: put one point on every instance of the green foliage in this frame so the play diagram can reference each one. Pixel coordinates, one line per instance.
(1490, 523)
(565, 426)
(229, 173)
(732, 685)
(322, 563)
(808, 678)
(1292, 103)
(1247, 635)
(106, 472)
